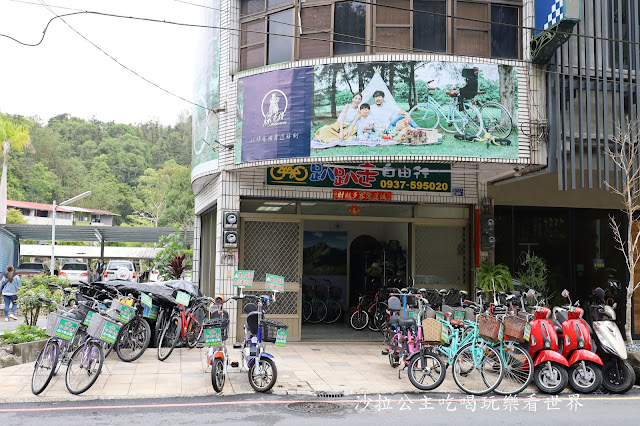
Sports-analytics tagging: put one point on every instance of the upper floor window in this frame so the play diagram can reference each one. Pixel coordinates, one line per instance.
(276, 31)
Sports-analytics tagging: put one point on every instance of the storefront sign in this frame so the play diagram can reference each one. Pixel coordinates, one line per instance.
(212, 337)
(66, 329)
(243, 279)
(598, 263)
(275, 283)
(420, 177)
(346, 194)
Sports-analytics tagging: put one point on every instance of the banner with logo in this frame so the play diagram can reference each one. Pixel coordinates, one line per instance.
(435, 109)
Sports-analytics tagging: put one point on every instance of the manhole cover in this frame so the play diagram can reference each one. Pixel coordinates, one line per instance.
(314, 407)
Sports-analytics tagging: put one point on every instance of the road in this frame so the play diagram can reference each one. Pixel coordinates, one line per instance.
(441, 409)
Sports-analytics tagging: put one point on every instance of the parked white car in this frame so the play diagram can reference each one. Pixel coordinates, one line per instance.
(75, 272)
(154, 275)
(120, 270)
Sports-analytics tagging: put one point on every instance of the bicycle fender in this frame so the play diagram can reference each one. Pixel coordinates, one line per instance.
(584, 355)
(418, 354)
(548, 355)
(266, 355)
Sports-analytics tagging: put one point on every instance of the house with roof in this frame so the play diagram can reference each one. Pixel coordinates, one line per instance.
(41, 214)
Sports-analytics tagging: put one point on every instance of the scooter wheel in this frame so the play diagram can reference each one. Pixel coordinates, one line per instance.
(550, 378)
(217, 375)
(587, 379)
(618, 376)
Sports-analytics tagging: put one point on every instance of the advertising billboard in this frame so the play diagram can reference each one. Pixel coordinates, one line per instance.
(382, 109)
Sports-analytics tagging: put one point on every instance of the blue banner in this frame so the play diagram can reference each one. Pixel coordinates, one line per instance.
(276, 119)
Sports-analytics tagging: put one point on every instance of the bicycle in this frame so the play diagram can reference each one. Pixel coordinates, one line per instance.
(215, 334)
(135, 334)
(496, 119)
(261, 368)
(182, 323)
(463, 115)
(331, 296)
(313, 310)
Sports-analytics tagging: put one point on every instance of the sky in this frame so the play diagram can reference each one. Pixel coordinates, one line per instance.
(66, 74)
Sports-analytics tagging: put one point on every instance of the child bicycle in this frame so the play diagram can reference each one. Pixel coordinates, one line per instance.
(216, 332)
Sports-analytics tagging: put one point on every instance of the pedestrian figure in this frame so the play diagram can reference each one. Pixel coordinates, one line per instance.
(9, 288)
(99, 270)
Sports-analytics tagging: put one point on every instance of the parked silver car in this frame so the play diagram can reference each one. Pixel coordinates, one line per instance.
(75, 272)
(120, 270)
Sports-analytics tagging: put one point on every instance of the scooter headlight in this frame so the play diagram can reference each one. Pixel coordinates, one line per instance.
(547, 344)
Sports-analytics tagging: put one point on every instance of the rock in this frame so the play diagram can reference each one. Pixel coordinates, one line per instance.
(8, 361)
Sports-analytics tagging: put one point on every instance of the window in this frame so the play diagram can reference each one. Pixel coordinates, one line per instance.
(392, 26)
(280, 48)
(430, 25)
(482, 33)
(504, 38)
(350, 28)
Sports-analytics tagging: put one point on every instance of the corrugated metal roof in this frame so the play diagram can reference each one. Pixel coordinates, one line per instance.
(36, 206)
(93, 233)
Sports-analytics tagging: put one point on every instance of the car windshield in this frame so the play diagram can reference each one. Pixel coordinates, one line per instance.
(30, 266)
(116, 265)
(75, 267)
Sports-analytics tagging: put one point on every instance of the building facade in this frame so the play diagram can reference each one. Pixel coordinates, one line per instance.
(330, 127)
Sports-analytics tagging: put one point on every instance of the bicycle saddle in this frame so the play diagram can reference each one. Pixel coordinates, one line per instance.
(456, 323)
(452, 93)
(406, 321)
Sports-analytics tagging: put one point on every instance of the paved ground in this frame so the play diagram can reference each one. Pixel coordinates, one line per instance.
(303, 369)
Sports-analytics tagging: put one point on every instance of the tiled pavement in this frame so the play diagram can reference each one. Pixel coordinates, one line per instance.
(303, 368)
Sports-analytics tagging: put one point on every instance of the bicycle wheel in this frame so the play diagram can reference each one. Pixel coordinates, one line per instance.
(307, 311)
(429, 374)
(319, 313)
(469, 120)
(45, 367)
(334, 312)
(263, 374)
(425, 116)
(477, 368)
(84, 367)
(496, 120)
(160, 323)
(217, 375)
(394, 355)
(169, 337)
(518, 370)
(194, 326)
(359, 319)
(133, 339)
(377, 316)
(446, 123)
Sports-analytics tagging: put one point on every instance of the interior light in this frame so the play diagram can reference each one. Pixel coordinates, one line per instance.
(268, 209)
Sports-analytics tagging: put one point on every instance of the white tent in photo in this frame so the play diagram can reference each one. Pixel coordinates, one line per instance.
(377, 83)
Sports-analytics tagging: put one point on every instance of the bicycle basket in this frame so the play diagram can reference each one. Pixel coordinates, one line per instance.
(431, 331)
(320, 292)
(489, 328)
(61, 326)
(103, 328)
(221, 323)
(514, 327)
(335, 292)
(270, 329)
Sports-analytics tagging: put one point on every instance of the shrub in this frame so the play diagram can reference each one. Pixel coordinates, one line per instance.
(23, 333)
(32, 289)
(494, 277)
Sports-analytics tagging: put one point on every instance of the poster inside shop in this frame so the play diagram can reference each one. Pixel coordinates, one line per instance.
(439, 109)
(423, 177)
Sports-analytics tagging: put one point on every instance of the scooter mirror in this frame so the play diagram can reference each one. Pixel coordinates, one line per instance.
(531, 293)
(600, 293)
(565, 293)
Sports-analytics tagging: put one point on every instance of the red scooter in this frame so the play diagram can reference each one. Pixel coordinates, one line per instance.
(550, 372)
(585, 374)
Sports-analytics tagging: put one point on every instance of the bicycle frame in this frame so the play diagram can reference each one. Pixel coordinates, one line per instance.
(456, 342)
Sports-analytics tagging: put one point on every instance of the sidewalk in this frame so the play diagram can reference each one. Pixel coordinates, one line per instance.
(303, 368)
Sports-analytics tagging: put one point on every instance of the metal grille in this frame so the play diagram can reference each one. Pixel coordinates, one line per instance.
(440, 255)
(272, 248)
(286, 303)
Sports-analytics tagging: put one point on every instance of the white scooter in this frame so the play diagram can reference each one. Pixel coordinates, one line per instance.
(618, 375)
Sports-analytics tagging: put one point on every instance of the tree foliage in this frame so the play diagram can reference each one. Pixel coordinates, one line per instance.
(173, 246)
(494, 278)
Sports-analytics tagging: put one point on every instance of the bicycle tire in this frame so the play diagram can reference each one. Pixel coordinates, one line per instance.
(470, 120)
(464, 364)
(437, 366)
(359, 320)
(394, 356)
(160, 323)
(500, 124)
(307, 311)
(133, 339)
(445, 107)
(86, 362)
(267, 381)
(334, 312)
(518, 370)
(195, 329)
(380, 318)
(425, 116)
(319, 313)
(45, 367)
(169, 337)
(217, 375)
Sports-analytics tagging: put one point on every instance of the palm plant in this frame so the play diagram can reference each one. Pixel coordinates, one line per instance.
(494, 278)
(14, 135)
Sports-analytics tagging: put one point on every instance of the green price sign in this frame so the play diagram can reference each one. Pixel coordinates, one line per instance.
(183, 298)
(281, 337)
(415, 315)
(212, 337)
(458, 315)
(152, 314)
(66, 329)
(444, 335)
(110, 332)
(527, 332)
(275, 283)
(501, 333)
(87, 319)
(146, 300)
(126, 313)
(243, 279)
(440, 316)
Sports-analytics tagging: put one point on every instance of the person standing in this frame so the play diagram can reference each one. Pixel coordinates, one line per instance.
(99, 270)
(9, 287)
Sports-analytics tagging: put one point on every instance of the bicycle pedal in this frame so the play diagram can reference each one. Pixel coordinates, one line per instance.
(385, 352)
(235, 364)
